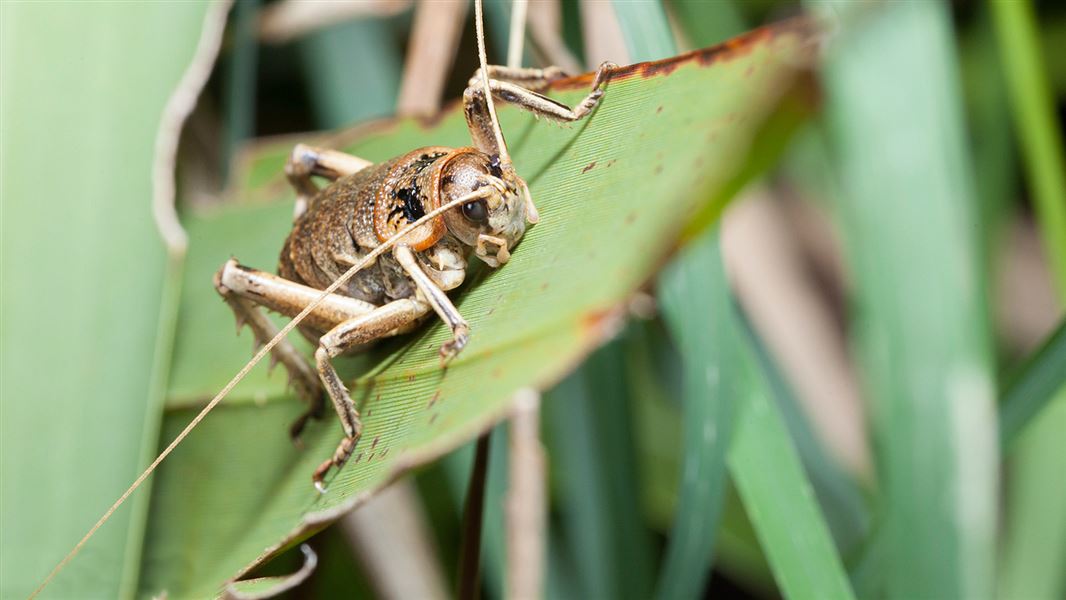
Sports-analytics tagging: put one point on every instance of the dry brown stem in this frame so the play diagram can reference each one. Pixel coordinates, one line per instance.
(526, 500)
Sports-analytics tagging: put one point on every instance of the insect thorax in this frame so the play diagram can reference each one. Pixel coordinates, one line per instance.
(356, 213)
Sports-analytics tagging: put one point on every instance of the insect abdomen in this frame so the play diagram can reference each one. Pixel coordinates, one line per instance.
(355, 214)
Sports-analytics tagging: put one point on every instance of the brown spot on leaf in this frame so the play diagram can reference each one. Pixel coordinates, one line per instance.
(544, 286)
(598, 325)
(630, 218)
(658, 169)
(496, 373)
(433, 400)
(374, 443)
(610, 163)
(433, 417)
(659, 110)
(588, 167)
(383, 453)
(359, 457)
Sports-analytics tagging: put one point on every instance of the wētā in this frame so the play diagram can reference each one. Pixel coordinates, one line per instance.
(364, 206)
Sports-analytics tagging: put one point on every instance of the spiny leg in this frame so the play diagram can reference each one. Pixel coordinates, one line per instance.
(301, 375)
(479, 121)
(306, 161)
(353, 332)
(438, 300)
(248, 290)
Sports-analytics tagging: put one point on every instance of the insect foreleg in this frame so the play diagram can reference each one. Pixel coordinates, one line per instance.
(534, 79)
(438, 300)
(354, 332)
(306, 161)
(479, 120)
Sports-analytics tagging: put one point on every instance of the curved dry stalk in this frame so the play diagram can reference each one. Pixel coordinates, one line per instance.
(430, 53)
(289, 19)
(517, 35)
(178, 108)
(391, 537)
(526, 500)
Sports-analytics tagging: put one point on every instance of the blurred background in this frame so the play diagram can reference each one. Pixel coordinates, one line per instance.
(895, 290)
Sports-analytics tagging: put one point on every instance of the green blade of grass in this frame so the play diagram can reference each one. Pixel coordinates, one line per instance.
(588, 419)
(1033, 387)
(645, 29)
(84, 86)
(1034, 114)
(777, 495)
(1036, 516)
(354, 71)
(839, 495)
(910, 220)
(697, 306)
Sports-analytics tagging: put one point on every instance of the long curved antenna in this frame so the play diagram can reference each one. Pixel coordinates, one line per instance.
(500, 142)
(366, 260)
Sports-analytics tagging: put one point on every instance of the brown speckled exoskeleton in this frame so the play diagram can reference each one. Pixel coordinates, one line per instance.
(365, 205)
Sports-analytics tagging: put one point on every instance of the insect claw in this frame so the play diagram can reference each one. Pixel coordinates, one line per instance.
(273, 363)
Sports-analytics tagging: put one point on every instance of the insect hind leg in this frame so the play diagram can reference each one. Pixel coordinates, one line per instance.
(301, 375)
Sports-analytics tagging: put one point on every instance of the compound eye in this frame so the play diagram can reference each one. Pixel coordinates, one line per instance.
(476, 212)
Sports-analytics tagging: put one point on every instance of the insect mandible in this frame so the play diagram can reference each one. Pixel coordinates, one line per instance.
(366, 204)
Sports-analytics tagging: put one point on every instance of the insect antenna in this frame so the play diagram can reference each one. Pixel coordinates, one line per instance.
(515, 50)
(479, 21)
(359, 266)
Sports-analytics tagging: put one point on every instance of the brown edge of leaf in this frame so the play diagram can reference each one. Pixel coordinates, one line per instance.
(802, 26)
(599, 326)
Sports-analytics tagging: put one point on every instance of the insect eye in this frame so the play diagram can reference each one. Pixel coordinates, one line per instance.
(476, 211)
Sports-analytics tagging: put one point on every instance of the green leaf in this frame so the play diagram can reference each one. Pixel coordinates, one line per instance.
(778, 497)
(587, 419)
(1036, 516)
(1033, 387)
(84, 86)
(698, 308)
(910, 220)
(614, 192)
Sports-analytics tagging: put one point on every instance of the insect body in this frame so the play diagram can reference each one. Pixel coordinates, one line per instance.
(367, 204)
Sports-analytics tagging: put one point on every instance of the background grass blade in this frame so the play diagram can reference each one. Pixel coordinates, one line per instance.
(1034, 115)
(696, 303)
(910, 214)
(588, 417)
(1036, 385)
(82, 279)
(1036, 515)
(778, 497)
